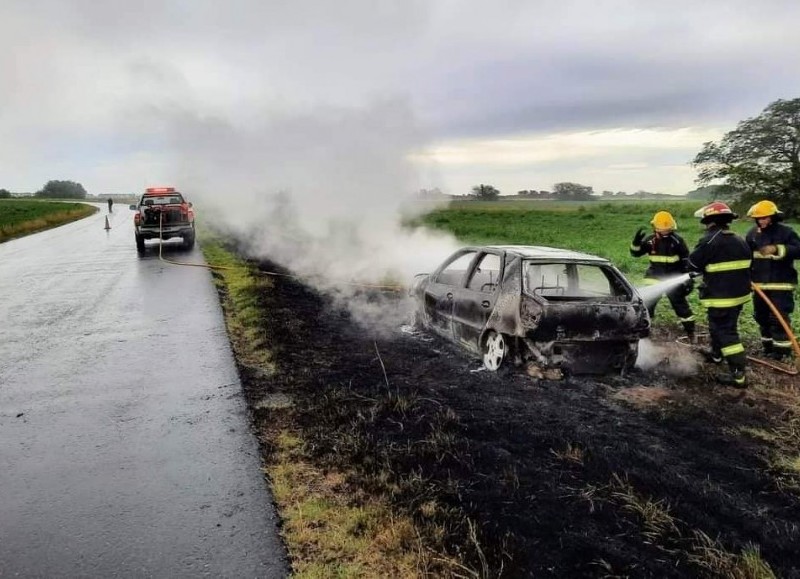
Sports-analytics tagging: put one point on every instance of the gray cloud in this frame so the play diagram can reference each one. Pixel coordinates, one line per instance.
(77, 73)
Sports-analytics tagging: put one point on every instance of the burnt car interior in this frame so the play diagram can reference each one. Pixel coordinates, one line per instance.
(572, 282)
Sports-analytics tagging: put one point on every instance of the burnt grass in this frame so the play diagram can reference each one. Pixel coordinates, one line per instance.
(533, 478)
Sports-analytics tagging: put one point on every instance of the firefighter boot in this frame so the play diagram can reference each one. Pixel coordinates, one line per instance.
(688, 327)
(736, 378)
(781, 354)
(766, 346)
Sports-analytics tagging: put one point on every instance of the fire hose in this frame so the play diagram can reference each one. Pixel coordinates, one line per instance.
(786, 328)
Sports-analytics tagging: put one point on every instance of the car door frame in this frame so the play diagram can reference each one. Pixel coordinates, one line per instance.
(473, 308)
(439, 297)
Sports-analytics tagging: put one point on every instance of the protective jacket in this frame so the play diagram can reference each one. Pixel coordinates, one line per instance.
(774, 272)
(667, 254)
(724, 259)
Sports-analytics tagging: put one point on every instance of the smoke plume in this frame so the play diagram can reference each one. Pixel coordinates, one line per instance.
(667, 358)
(323, 193)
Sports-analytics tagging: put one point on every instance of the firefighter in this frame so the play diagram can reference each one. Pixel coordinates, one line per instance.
(723, 258)
(775, 247)
(110, 204)
(668, 255)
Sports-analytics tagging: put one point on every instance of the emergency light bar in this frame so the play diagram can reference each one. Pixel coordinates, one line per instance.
(160, 190)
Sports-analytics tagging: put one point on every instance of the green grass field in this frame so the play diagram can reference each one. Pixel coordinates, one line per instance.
(20, 217)
(600, 228)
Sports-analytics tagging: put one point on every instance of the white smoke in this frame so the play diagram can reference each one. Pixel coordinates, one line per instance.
(668, 358)
(322, 193)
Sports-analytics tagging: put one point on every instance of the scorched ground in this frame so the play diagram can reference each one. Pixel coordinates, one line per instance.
(649, 475)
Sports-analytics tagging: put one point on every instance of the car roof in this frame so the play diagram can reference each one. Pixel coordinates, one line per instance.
(542, 252)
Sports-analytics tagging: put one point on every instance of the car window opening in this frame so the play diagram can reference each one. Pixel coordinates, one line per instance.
(486, 276)
(454, 272)
(572, 282)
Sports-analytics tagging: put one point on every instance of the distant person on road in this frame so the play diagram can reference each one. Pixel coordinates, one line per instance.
(723, 258)
(110, 204)
(775, 247)
(668, 255)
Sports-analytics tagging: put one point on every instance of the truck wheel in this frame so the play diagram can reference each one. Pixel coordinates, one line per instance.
(188, 241)
(140, 244)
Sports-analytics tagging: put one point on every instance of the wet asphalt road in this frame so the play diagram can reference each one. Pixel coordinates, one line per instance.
(125, 448)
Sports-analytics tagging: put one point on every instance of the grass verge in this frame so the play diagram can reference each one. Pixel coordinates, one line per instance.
(23, 217)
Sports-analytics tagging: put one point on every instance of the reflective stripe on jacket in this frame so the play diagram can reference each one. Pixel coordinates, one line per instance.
(774, 272)
(667, 255)
(724, 259)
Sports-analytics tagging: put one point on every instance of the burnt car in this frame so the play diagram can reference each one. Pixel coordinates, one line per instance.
(553, 308)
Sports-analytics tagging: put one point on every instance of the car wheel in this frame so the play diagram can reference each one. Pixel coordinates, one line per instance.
(188, 241)
(495, 351)
(140, 244)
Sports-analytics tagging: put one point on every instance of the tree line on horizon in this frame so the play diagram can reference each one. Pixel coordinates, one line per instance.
(54, 189)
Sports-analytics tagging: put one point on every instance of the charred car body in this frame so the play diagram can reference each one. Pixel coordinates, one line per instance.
(163, 213)
(524, 304)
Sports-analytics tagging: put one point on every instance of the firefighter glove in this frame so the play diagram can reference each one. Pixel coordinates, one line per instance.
(639, 237)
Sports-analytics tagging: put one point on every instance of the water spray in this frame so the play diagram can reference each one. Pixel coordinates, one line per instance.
(651, 293)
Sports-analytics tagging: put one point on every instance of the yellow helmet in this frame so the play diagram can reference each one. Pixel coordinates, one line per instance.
(763, 209)
(663, 221)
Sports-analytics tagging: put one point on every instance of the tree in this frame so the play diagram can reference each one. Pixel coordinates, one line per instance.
(759, 158)
(5, 194)
(712, 192)
(62, 190)
(485, 192)
(572, 192)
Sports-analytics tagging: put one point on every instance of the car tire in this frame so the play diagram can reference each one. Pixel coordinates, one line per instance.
(140, 244)
(495, 351)
(188, 241)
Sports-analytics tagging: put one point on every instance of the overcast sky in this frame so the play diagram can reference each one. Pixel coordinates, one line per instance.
(521, 94)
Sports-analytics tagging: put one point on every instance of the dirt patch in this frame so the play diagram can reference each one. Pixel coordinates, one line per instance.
(649, 475)
(642, 396)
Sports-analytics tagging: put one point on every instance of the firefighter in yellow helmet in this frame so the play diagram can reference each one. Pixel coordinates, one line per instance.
(775, 247)
(668, 253)
(723, 258)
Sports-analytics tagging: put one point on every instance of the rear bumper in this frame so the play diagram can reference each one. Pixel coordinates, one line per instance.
(584, 357)
(165, 233)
